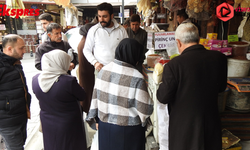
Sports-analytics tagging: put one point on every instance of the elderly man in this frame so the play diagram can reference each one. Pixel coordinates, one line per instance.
(45, 20)
(14, 96)
(190, 86)
(103, 38)
(54, 42)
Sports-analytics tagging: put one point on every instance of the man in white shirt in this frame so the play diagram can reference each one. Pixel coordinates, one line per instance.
(45, 20)
(103, 38)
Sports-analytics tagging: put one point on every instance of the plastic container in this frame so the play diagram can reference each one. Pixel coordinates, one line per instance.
(151, 59)
(239, 49)
(237, 68)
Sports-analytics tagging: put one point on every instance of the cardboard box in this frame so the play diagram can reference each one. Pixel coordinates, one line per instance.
(212, 36)
(215, 49)
(203, 42)
(227, 51)
(215, 43)
(224, 43)
(208, 48)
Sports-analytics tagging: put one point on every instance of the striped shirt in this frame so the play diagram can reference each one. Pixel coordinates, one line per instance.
(120, 96)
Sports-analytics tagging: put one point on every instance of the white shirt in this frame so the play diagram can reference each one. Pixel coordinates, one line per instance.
(100, 45)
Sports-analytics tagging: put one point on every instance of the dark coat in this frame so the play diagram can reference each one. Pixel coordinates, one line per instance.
(14, 96)
(48, 46)
(61, 117)
(190, 85)
(86, 70)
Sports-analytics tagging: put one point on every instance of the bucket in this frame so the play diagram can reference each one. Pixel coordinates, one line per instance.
(238, 101)
(239, 49)
(151, 59)
(237, 68)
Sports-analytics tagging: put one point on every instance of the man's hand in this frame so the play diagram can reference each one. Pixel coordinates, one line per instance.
(98, 66)
(72, 65)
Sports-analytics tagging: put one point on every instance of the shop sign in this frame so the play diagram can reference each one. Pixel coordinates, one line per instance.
(126, 13)
(161, 16)
(16, 12)
(2, 27)
(150, 40)
(232, 38)
(164, 40)
(34, 7)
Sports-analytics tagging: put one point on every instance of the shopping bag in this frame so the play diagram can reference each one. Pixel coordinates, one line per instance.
(95, 145)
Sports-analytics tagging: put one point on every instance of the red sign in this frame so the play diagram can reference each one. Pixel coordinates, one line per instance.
(225, 11)
(4, 11)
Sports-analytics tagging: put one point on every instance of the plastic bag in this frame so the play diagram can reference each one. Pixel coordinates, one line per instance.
(95, 145)
(157, 74)
(163, 123)
(246, 29)
(242, 24)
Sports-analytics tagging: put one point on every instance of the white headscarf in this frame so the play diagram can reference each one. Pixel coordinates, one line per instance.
(54, 64)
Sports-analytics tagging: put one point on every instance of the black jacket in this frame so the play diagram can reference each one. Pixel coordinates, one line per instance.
(14, 94)
(48, 46)
(190, 85)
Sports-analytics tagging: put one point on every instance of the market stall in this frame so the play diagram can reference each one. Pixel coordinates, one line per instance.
(230, 37)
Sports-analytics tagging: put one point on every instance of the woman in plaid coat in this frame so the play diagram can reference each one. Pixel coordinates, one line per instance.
(121, 101)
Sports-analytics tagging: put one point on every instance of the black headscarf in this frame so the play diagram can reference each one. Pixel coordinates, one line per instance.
(129, 51)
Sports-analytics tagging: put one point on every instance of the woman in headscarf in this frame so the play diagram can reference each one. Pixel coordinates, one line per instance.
(59, 95)
(121, 101)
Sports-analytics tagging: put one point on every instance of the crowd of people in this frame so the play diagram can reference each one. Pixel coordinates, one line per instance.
(111, 88)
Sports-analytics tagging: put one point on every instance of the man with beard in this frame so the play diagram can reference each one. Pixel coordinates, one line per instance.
(55, 42)
(14, 96)
(103, 38)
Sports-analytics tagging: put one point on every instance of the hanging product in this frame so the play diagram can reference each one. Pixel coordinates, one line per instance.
(243, 4)
(246, 29)
(64, 3)
(71, 15)
(144, 6)
(174, 5)
(14, 4)
(198, 9)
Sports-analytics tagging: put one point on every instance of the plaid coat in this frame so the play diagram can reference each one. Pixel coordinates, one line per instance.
(120, 96)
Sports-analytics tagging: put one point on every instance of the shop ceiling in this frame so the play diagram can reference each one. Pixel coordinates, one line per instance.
(89, 3)
(85, 3)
